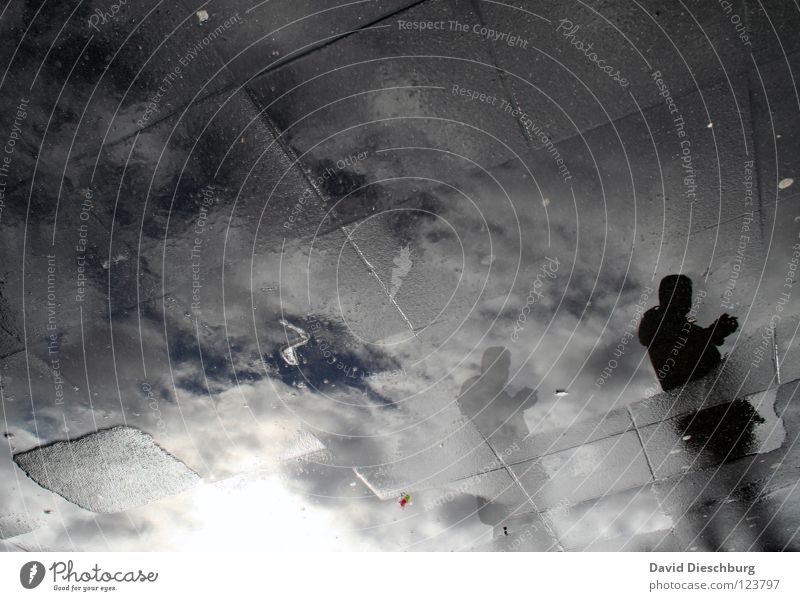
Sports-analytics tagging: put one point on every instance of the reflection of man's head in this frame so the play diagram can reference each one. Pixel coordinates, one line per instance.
(496, 364)
(675, 294)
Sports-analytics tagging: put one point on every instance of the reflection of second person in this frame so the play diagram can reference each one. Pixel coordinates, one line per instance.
(498, 416)
(484, 400)
(679, 349)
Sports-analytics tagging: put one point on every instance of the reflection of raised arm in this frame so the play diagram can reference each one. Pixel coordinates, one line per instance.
(525, 398)
(722, 328)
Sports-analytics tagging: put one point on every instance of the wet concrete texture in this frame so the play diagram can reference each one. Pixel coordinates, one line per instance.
(287, 263)
(107, 471)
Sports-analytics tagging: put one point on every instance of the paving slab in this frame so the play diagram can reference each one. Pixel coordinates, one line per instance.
(592, 470)
(108, 471)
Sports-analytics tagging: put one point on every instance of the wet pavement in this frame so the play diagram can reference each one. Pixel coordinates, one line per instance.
(265, 274)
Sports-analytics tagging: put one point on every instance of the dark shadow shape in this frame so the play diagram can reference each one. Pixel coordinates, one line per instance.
(679, 349)
(725, 433)
(497, 415)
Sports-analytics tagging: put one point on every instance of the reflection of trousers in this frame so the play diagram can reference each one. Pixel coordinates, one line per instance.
(491, 513)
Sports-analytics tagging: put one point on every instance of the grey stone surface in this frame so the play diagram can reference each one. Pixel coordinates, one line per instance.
(553, 79)
(624, 516)
(467, 454)
(109, 471)
(583, 432)
(525, 533)
(271, 35)
(12, 525)
(586, 472)
(418, 220)
(344, 99)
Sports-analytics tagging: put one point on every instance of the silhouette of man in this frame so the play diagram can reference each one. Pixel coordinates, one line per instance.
(680, 350)
(483, 399)
(497, 415)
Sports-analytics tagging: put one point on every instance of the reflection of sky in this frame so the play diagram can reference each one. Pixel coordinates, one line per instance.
(224, 417)
(216, 393)
(226, 411)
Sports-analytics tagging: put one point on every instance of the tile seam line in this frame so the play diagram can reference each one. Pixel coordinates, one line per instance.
(526, 135)
(299, 165)
(279, 65)
(632, 427)
(536, 457)
(374, 273)
(709, 84)
(230, 87)
(212, 94)
(550, 530)
(641, 444)
(296, 163)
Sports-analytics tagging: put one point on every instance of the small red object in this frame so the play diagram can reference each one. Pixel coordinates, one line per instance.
(404, 499)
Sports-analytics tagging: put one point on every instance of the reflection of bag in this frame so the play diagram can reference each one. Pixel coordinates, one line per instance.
(725, 431)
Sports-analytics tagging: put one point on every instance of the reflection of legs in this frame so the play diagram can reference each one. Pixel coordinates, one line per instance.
(491, 513)
(724, 433)
(769, 527)
(754, 527)
(717, 535)
(769, 536)
(725, 524)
